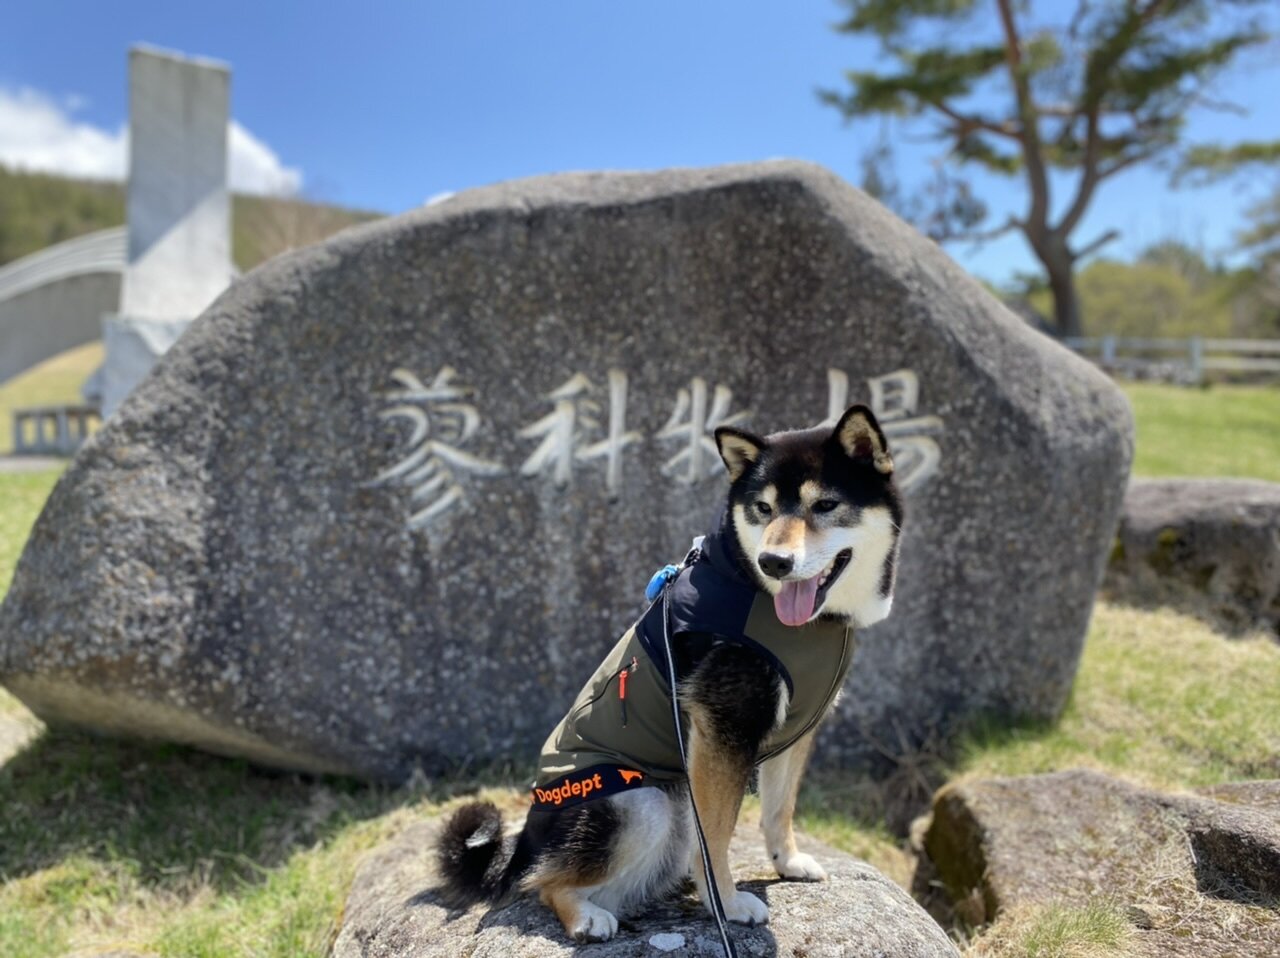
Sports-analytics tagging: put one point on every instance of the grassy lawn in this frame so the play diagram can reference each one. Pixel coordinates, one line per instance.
(165, 851)
(22, 494)
(122, 846)
(1160, 699)
(1219, 431)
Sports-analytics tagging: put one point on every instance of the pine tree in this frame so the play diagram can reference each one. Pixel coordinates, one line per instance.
(1009, 92)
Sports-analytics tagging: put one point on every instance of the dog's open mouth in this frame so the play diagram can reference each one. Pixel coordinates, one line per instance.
(798, 598)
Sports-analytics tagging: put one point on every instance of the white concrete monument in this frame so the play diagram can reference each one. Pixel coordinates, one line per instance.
(179, 211)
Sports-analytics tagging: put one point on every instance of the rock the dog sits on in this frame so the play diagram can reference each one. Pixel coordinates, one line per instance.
(759, 621)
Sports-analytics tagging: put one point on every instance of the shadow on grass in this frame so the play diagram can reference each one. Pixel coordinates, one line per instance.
(900, 786)
(987, 732)
(883, 806)
(1226, 615)
(176, 818)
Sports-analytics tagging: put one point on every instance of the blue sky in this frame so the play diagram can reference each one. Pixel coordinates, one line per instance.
(384, 104)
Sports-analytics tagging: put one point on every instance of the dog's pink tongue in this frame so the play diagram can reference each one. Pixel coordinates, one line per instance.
(794, 604)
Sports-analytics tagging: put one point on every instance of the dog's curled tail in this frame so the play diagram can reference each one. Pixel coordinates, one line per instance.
(475, 861)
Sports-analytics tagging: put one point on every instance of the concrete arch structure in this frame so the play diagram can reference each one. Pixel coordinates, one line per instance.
(54, 300)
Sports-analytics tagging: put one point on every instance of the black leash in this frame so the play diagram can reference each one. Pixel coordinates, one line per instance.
(713, 893)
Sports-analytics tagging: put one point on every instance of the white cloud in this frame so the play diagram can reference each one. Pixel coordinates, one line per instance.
(38, 133)
(255, 167)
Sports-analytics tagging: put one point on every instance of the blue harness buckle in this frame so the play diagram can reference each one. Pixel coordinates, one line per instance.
(660, 580)
(664, 576)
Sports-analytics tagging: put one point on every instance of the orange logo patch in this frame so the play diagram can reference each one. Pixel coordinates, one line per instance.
(629, 776)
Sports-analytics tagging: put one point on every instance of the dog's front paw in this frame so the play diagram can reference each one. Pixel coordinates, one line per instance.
(594, 924)
(801, 867)
(746, 909)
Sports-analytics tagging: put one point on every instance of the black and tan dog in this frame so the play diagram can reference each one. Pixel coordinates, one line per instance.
(760, 622)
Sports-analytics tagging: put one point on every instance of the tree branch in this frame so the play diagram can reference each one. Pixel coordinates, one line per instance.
(1029, 132)
(1209, 162)
(1071, 110)
(1091, 248)
(1091, 173)
(1090, 176)
(1078, 21)
(966, 123)
(1094, 174)
(1219, 106)
(1133, 159)
(985, 236)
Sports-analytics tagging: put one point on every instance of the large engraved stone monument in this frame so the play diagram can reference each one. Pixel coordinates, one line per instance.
(178, 212)
(389, 499)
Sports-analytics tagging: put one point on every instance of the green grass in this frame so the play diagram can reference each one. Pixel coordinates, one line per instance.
(1160, 698)
(112, 845)
(1218, 431)
(161, 849)
(1098, 930)
(1061, 932)
(22, 494)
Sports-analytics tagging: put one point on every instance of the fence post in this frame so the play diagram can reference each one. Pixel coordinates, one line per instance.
(1108, 351)
(19, 432)
(1195, 350)
(63, 426)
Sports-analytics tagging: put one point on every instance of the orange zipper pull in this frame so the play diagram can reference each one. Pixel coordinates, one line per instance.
(622, 688)
(622, 695)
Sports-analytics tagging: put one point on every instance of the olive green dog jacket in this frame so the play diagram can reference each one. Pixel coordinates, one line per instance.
(619, 733)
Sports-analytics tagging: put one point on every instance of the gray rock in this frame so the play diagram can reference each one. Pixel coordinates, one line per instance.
(1263, 794)
(392, 910)
(1237, 850)
(1195, 869)
(256, 556)
(1216, 538)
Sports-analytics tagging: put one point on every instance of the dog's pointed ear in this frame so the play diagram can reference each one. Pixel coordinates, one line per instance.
(860, 436)
(738, 449)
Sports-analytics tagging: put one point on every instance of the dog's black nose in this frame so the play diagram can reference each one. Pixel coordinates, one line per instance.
(774, 565)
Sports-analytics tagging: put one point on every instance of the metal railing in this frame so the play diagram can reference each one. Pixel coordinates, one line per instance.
(55, 430)
(1182, 360)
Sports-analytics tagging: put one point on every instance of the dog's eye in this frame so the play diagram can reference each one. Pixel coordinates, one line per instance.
(826, 505)
(763, 508)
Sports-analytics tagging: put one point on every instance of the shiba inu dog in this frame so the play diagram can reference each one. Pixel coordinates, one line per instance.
(759, 625)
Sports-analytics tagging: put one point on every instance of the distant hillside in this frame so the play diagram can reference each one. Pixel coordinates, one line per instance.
(38, 210)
